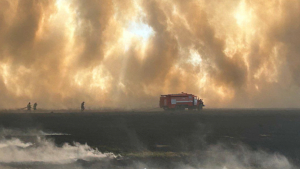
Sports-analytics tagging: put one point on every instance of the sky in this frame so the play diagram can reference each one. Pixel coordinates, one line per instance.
(126, 53)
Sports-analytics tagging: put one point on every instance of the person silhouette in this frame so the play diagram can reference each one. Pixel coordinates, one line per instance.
(34, 106)
(82, 106)
(29, 106)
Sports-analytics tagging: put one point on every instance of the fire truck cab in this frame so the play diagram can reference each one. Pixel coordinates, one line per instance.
(180, 101)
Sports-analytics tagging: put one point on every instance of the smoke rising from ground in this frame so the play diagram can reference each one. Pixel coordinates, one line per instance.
(40, 152)
(40, 149)
(125, 53)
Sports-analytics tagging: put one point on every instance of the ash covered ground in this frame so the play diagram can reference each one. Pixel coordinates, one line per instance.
(219, 138)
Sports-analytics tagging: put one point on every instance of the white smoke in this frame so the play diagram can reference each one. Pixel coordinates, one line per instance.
(13, 142)
(14, 150)
(241, 157)
(44, 153)
(40, 149)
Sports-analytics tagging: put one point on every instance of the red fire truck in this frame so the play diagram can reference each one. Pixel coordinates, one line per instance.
(180, 102)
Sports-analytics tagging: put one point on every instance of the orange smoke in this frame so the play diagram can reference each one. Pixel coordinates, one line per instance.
(125, 53)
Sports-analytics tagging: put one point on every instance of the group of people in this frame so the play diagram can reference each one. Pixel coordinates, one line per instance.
(35, 105)
(29, 106)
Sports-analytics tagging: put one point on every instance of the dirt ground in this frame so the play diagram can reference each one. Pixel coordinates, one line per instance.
(162, 134)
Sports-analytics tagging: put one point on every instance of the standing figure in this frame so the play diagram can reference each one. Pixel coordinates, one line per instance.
(201, 102)
(34, 106)
(82, 106)
(29, 106)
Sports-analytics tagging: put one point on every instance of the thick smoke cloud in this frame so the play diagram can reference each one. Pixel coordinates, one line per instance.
(124, 54)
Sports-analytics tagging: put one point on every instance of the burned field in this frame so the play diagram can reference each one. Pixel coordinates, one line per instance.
(170, 136)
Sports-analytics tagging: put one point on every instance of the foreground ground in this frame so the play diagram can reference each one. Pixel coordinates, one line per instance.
(174, 135)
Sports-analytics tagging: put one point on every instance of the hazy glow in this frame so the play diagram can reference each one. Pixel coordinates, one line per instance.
(98, 78)
(195, 58)
(126, 53)
(243, 14)
(5, 73)
(141, 30)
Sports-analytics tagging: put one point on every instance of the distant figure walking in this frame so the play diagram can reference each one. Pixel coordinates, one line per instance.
(82, 106)
(29, 106)
(34, 106)
(201, 102)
